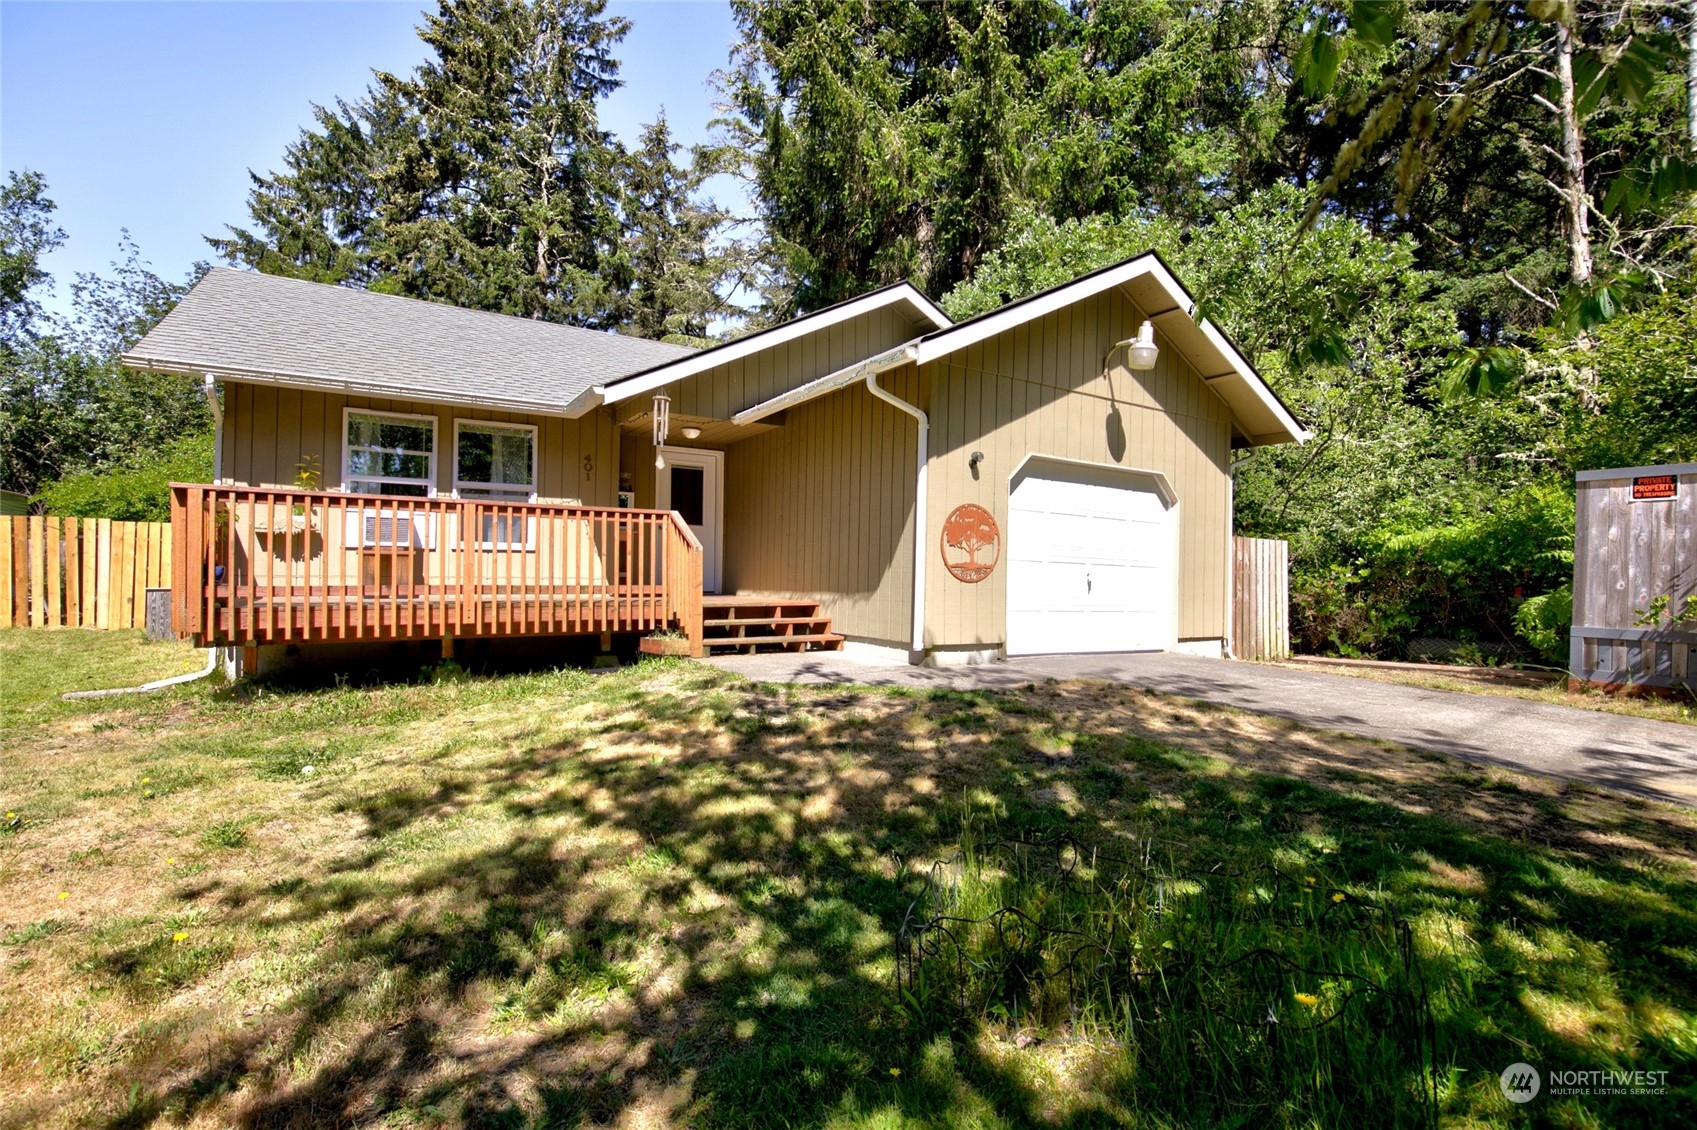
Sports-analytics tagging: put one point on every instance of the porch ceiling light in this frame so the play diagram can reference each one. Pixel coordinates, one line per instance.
(691, 432)
(1141, 350)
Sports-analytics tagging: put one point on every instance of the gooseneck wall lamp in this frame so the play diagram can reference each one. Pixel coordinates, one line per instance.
(1141, 351)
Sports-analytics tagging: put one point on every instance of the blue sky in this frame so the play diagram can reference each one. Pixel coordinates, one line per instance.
(148, 115)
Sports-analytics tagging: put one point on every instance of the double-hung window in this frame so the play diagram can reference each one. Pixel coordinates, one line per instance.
(494, 461)
(388, 453)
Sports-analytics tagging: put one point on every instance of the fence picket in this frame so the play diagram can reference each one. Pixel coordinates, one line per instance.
(80, 572)
(1260, 599)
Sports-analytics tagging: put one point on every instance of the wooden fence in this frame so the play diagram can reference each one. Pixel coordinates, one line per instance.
(81, 572)
(1260, 598)
(1634, 545)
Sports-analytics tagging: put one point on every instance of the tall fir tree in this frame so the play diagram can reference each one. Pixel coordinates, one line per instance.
(482, 179)
(673, 267)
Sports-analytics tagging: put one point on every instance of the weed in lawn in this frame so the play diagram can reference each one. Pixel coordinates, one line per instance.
(225, 834)
(34, 932)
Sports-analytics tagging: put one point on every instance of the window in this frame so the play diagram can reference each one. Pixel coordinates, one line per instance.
(495, 461)
(389, 454)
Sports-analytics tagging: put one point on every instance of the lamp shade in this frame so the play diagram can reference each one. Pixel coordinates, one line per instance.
(1141, 350)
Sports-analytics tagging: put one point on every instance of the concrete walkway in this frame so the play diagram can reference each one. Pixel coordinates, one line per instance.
(1635, 755)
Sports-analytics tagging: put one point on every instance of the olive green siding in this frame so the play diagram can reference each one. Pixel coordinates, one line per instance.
(823, 507)
(1041, 389)
(269, 430)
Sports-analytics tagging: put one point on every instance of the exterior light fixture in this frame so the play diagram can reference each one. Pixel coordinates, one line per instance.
(691, 433)
(662, 426)
(1141, 350)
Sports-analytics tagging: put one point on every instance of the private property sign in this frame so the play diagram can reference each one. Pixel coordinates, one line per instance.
(1651, 488)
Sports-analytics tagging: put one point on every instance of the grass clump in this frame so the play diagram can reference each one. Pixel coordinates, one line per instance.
(229, 834)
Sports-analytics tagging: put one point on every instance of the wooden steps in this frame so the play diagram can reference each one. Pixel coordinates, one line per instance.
(749, 624)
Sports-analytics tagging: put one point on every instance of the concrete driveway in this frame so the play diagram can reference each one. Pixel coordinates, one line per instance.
(1635, 755)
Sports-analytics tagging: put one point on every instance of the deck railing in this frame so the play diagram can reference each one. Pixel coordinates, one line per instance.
(261, 565)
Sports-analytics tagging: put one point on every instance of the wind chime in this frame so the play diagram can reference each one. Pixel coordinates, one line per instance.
(662, 425)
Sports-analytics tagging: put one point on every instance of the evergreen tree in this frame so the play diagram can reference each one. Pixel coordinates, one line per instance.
(482, 179)
(673, 268)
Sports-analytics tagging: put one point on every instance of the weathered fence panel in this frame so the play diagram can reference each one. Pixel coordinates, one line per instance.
(1260, 598)
(1634, 543)
(81, 572)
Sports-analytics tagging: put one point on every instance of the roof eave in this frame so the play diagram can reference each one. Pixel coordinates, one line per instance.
(684, 367)
(1148, 265)
(902, 354)
(312, 383)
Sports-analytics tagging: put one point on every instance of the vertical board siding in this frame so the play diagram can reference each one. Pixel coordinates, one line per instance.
(822, 508)
(269, 432)
(720, 393)
(1041, 389)
(1260, 598)
(1626, 555)
(82, 572)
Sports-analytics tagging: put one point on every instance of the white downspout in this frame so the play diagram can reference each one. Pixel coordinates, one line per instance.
(211, 385)
(923, 460)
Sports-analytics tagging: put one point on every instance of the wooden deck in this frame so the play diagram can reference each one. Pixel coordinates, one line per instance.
(282, 566)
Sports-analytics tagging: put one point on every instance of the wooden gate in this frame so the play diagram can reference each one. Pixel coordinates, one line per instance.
(1634, 576)
(1260, 598)
(81, 572)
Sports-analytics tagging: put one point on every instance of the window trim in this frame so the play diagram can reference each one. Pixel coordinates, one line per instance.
(460, 424)
(347, 450)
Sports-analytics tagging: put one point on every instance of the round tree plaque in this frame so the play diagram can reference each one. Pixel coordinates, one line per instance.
(972, 543)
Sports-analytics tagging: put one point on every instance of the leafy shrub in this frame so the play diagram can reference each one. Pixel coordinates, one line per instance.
(1464, 579)
(137, 492)
(1543, 621)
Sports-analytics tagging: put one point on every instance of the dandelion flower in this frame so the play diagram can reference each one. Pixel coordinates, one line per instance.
(1310, 880)
(145, 780)
(1307, 1000)
(11, 815)
(1338, 897)
(180, 936)
(169, 862)
(895, 1072)
(64, 894)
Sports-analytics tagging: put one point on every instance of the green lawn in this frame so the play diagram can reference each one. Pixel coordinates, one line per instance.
(663, 896)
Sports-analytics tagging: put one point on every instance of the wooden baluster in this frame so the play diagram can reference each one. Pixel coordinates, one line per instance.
(247, 635)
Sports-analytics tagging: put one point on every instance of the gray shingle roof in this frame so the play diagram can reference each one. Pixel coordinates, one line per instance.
(272, 330)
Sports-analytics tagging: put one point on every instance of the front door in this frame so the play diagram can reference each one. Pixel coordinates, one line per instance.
(692, 483)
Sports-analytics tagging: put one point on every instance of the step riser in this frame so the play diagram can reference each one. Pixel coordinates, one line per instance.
(735, 624)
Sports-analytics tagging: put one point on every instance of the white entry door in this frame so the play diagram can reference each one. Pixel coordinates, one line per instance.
(693, 483)
(1090, 561)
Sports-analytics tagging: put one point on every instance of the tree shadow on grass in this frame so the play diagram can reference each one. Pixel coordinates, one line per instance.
(679, 906)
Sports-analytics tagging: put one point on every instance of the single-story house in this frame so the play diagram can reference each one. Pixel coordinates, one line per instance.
(1052, 476)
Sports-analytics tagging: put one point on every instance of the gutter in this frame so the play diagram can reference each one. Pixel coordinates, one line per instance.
(579, 404)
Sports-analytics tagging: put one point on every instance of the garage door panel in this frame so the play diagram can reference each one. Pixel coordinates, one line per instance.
(1090, 564)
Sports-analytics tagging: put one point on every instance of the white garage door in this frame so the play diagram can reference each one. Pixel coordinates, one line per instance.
(1090, 562)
